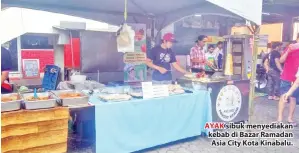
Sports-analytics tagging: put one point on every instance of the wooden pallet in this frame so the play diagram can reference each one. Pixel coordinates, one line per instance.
(35, 131)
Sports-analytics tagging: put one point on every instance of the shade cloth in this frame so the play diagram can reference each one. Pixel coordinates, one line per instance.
(128, 126)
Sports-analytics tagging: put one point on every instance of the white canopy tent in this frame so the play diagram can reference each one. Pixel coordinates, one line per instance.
(18, 21)
(155, 13)
(163, 12)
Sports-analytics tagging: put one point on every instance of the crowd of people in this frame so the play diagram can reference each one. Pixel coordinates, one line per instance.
(282, 67)
(207, 60)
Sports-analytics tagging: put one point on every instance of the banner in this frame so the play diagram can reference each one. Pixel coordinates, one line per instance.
(135, 72)
(135, 68)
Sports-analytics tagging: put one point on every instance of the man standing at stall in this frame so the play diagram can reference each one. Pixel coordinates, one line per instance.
(290, 58)
(274, 71)
(160, 58)
(6, 65)
(197, 54)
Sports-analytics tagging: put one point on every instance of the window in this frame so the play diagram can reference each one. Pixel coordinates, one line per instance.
(35, 42)
(13, 50)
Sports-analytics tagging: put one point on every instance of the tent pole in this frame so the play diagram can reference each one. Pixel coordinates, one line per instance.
(256, 30)
(153, 22)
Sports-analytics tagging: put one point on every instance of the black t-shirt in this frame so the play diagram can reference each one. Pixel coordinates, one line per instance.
(163, 58)
(265, 57)
(273, 55)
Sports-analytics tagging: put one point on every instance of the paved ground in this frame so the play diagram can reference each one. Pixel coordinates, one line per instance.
(265, 112)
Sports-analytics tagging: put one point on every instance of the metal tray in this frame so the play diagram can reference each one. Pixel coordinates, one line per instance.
(104, 99)
(72, 101)
(11, 105)
(39, 104)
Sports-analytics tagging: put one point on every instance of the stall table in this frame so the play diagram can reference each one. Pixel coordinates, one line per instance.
(139, 124)
(35, 131)
(226, 107)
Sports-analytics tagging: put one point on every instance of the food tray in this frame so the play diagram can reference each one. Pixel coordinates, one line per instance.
(71, 101)
(11, 105)
(112, 97)
(136, 94)
(39, 104)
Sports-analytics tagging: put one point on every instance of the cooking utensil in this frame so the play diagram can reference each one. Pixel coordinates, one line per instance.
(35, 95)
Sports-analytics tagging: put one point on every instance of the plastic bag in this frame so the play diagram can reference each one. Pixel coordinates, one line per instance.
(125, 39)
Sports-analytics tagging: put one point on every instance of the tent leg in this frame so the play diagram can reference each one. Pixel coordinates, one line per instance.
(253, 73)
(153, 22)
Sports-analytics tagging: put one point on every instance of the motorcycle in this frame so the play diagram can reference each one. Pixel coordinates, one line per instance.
(261, 78)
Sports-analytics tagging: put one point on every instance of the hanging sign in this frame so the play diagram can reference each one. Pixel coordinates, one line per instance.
(30, 68)
(135, 57)
(135, 69)
(154, 91)
(263, 40)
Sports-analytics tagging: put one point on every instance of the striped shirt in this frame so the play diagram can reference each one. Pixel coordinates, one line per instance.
(197, 52)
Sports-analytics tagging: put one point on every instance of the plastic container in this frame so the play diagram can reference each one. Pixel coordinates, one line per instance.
(113, 90)
(78, 78)
(51, 77)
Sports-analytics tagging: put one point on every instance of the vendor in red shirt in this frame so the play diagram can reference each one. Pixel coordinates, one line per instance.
(290, 58)
(197, 54)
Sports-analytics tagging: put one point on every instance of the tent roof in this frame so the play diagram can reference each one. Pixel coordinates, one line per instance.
(111, 11)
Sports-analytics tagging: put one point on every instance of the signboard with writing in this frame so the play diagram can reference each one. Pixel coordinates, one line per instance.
(136, 58)
(153, 91)
(147, 90)
(30, 68)
(263, 40)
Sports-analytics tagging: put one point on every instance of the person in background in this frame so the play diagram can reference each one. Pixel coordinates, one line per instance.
(266, 57)
(160, 58)
(288, 77)
(293, 89)
(274, 71)
(6, 65)
(211, 58)
(219, 54)
(269, 48)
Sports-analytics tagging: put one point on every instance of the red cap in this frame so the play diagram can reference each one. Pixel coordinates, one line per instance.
(169, 37)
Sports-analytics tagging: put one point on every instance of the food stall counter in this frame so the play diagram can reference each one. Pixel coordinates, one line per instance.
(139, 124)
(43, 130)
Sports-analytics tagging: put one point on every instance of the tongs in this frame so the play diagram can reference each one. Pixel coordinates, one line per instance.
(58, 100)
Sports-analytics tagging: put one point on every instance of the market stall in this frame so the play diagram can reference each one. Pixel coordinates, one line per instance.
(139, 121)
(38, 121)
(229, 86)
